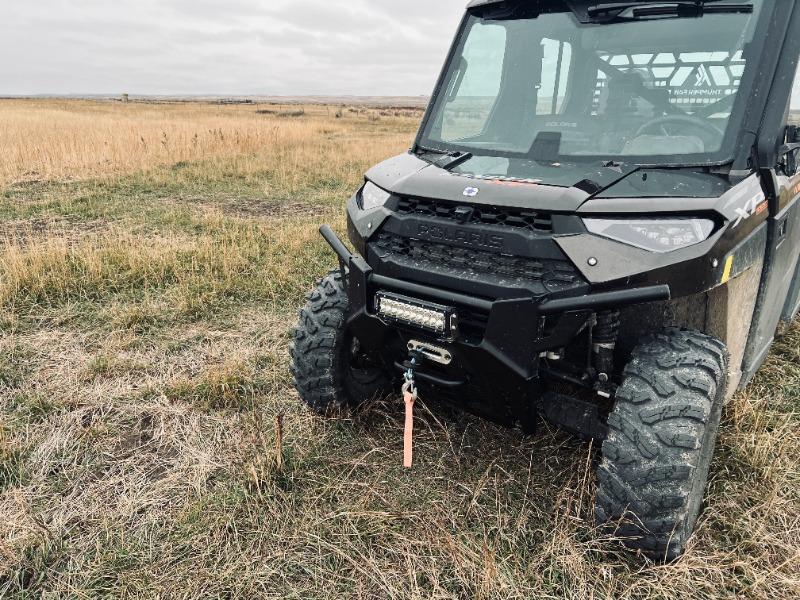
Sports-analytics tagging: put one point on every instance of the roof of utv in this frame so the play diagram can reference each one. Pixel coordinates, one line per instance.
(482, 2)
(475, 3)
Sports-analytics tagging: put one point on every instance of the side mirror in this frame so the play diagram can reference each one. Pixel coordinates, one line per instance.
(788, 153)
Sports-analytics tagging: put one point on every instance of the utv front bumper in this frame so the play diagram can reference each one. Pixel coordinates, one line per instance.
(512, 333)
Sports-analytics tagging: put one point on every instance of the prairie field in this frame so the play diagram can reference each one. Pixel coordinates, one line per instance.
(152, 259)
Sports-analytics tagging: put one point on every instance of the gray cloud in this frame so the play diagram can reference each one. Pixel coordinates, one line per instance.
(362, 47)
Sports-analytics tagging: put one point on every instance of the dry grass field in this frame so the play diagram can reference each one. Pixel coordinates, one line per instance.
(152, 258)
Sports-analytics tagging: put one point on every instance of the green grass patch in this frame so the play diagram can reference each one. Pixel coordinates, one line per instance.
(15, 366)
(31, 407)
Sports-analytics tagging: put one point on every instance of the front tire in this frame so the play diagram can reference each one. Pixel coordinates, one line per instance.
(331, 372)
(662, 433)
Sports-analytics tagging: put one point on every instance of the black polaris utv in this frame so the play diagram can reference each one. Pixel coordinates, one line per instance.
(598, 224)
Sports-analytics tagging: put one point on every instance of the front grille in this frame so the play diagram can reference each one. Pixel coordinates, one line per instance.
(468, 263)
(523, 219)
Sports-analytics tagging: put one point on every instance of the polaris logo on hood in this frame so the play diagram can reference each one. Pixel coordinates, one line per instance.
(471, 192)
(440, 233)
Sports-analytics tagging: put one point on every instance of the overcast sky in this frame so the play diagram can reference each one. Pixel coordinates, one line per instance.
(270, 47)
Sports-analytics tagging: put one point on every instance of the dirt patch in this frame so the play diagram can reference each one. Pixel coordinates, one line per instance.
(269, 209)
(24, 231)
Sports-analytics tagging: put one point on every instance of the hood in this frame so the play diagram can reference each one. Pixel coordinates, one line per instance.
(408, 175)
(562, 188)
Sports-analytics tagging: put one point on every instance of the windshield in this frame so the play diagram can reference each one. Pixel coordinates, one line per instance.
(547, 88)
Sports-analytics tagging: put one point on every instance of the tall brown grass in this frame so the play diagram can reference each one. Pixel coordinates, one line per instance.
(45, 140)
(229, 259)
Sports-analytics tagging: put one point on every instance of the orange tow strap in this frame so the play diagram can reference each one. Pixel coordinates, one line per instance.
(408, 436)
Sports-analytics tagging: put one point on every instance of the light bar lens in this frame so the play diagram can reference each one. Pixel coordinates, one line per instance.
(656, 235)
(372, 196)
(431, 317)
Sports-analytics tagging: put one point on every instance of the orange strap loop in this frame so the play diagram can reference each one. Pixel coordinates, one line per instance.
(408, 435)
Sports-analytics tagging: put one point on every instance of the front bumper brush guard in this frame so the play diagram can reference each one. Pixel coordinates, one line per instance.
(516, 351)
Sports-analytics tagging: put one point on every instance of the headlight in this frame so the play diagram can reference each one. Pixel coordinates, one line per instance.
(372, 196)
(656, 235)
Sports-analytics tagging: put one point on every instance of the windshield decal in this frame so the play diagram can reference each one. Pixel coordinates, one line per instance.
(702, 78)
(695, 79)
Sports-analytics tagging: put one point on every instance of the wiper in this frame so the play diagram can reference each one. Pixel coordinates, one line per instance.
(420, 149)
(681, 8)
(452, 160)
(449, 160)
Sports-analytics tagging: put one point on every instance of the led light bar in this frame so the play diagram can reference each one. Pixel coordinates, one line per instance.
(437, 319)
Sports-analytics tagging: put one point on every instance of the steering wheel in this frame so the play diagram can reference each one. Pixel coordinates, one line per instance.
(687, 124)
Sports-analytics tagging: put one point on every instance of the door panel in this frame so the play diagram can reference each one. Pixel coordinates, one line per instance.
(780, 271)
(793, 301)
(779, 291)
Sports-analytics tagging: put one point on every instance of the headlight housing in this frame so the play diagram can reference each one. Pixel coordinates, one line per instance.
(655, 235)
(371, 196)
